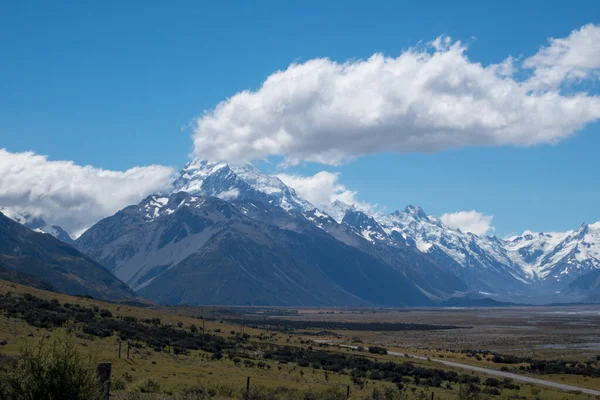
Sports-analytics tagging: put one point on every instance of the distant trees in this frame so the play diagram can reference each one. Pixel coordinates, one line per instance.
(378, 350)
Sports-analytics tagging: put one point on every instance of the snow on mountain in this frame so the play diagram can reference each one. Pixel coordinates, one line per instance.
(517, 264)
(15, 216)
(529, 249)
(480, 261)
(528, 262)
(365, 226)
(557, 256)
(37, 224)
(338, 209)
(156, 206)
(514, 262)
(238, 182)
(191, 249)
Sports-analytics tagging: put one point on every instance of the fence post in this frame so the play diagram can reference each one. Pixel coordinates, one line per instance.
(128, 349)
(432, 398)
(348, 392)
(120, 348)
(103, 371)
(247, 395)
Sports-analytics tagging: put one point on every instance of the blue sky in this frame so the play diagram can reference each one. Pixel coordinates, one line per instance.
(116, 85)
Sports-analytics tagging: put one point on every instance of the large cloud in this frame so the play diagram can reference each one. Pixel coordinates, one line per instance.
(469, 221)
(429, 98)
(71, 195)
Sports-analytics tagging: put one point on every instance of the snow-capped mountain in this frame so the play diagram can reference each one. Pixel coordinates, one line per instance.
(193, 249)
(361, 230)
(557, 257)
(227, 226)
(235, 204)
(38, 224)
(481, 262)
(530, 265)
(238, 182)
(338, 210)
(365, 226)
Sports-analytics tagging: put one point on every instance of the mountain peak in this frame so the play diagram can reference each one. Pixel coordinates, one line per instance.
(338, 210)
(341, 204)
(237, 181)
(415, 210)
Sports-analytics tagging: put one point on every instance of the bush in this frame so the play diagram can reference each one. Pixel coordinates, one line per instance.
(50, 369)
(145, 386)
(386, 394)
(377, 350)
(196, 393)
(469, 392)
(118, 384)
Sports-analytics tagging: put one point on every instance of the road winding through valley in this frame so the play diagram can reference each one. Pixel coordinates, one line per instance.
(491, 372)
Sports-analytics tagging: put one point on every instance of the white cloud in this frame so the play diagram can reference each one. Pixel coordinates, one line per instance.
(230, 194)
(322, 189)
(71, 195)
(567, 60)
(469, 221)
(429, 98)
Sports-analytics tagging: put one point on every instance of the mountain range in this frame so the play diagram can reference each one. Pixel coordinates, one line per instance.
(229, 234)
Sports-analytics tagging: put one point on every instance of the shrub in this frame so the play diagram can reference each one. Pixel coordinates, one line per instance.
(196, 393)
(50, 369)
(469, 392)
(386, 394)
(145, 386)
(377, 350)
(118, 384)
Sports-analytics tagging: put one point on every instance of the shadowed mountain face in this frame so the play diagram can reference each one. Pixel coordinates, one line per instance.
(40, 259)
(203, 250)
(586, 287)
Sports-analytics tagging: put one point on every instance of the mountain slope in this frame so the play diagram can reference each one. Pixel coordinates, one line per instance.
(25, 253)
(586, 288)
(481, 262)
(432, 278)
(203, 250)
